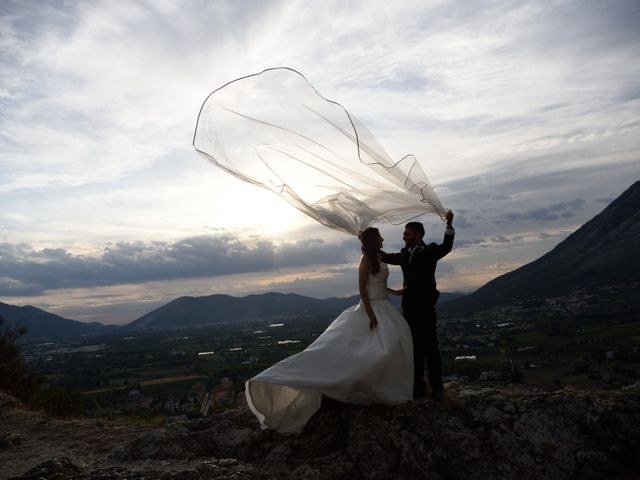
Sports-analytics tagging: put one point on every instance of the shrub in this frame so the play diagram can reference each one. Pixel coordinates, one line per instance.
(15, 379)
(58, 401)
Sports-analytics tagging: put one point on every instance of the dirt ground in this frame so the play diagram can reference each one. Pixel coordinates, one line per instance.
(28, 438)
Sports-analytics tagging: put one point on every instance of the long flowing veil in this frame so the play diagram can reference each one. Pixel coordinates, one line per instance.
(273, 129)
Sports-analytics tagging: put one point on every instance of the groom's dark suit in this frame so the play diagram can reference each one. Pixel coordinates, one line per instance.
(418, 306)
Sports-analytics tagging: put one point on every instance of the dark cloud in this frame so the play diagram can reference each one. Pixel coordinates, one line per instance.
(487, 242)
(501, 239)
(539, 200)
(535, 179)
(554, 211)
(461, 221)
(404, 80)
(501, 197)
(587, 28)
(463, 243)
(538, 214)
(27, 271)
(553, 107)
(575, 203)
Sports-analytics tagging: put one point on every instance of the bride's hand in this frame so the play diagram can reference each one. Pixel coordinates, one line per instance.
(400, 291)
(373, 322)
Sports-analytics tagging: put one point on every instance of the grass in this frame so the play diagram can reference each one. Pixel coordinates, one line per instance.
(104, 390)
(143, 383)
(174, 379)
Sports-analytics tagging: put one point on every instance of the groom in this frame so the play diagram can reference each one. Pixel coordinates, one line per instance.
(418, 261)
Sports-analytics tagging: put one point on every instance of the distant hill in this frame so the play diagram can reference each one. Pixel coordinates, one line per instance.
(192, 311)
(604, 252)
(188, 312)
(40, 323)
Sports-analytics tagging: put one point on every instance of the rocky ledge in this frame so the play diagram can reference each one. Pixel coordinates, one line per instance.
(492, 433)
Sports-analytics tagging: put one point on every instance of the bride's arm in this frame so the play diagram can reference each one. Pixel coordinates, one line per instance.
(363, 277)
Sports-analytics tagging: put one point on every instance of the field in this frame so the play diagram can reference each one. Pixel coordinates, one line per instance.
(173, 367)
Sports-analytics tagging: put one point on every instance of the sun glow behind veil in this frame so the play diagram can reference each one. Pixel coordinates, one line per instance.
(274, 130)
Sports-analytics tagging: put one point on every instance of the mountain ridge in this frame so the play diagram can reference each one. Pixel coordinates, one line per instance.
(188, 311)
(40, 323)
(602, 252)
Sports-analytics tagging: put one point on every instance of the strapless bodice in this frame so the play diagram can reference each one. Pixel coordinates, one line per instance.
(377, 284)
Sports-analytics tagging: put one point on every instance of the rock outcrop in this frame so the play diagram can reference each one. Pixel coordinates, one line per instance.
(491, 433)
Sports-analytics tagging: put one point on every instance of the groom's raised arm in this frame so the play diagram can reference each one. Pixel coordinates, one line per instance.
(447, 244)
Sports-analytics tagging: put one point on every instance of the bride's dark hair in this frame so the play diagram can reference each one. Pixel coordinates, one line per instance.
(369, 239)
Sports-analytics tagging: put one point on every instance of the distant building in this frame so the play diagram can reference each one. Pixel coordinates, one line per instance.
(223, 393)
(526, 349)
(171, 405)
(466, 358)
(176, 419)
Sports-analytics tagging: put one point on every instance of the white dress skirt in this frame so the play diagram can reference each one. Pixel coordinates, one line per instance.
(349, 362)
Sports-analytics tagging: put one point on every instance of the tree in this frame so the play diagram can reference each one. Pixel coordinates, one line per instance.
(15, 379)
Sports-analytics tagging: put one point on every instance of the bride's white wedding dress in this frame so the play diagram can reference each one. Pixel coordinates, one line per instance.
(349, 362)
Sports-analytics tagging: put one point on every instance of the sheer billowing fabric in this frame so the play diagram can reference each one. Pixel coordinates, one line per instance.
(274, 130)
(349, 362)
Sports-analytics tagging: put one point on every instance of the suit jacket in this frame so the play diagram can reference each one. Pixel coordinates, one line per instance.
(419, 271)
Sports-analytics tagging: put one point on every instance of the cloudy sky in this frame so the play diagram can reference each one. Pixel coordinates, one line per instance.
(524, 114)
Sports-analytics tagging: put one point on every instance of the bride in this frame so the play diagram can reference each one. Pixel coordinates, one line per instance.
(364, 357)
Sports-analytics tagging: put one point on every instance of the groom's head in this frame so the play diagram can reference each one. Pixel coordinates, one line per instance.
(413, 233)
